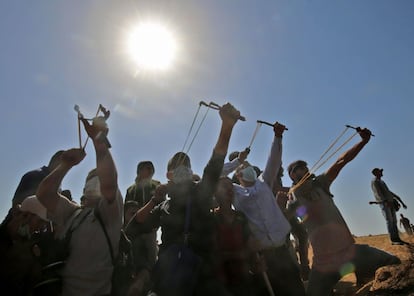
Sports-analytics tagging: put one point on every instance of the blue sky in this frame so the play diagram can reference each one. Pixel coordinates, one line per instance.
(312, 65)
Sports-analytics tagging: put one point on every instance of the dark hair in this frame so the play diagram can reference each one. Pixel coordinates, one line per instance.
(257, 170)
(145, 164)
(180, 158)
(66, 193)
(233, 155)
(55, 158)
(296, 164)
(374, 171)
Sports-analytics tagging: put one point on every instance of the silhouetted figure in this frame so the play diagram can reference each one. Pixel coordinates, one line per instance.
(388, 201)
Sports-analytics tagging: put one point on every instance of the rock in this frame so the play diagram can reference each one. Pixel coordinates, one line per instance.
(394, 280)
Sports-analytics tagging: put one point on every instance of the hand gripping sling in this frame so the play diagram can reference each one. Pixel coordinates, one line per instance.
(321, 161)
(81, 117)
(259, 124)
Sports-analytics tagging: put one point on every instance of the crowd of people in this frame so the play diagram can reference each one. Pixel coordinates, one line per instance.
(220, 235)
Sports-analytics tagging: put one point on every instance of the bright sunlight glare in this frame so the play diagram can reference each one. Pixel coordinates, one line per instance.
(152, 46)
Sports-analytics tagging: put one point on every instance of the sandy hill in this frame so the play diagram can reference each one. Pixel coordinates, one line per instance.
(400, 279)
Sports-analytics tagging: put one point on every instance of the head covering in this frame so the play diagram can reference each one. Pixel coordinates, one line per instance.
(180, 158)
(375, 170)
(144, 164)
(32, 205)
(296, 164)
(249, 174)
(233, 155)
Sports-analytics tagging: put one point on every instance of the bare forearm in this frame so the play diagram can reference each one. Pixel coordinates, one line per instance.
(48, 188)
(224, 138)
(106, 171)
(353, 152)
(346, 157)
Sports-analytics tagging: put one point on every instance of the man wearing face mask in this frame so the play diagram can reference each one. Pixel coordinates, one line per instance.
(183, 191)
(88, 268)
(254, 197)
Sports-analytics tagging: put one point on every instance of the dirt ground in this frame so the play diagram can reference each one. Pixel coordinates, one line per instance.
(347, 285)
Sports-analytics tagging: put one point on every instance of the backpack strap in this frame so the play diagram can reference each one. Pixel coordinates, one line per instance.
(111, 249)
(79, 217)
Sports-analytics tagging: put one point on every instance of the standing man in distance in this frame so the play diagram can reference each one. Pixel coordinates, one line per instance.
(387, 199)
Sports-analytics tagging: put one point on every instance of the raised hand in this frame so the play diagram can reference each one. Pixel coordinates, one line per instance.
(279, 128)
(73, 156)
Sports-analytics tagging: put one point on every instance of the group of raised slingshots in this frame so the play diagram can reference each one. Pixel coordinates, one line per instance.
(329, 153)
(101, 120)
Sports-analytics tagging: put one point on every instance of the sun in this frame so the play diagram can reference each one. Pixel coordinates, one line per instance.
(152, 46)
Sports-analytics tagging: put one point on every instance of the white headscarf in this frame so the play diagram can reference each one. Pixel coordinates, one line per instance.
(32, 205)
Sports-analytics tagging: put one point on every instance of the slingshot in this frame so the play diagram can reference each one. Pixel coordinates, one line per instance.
(209, 106)
(95, 120)
(258, 126)
(321, 161)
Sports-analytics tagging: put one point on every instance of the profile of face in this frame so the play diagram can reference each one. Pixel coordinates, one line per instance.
(298, 173)
(378, 173)
(224, 192)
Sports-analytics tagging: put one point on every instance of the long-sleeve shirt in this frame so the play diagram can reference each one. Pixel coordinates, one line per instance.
(268, 224)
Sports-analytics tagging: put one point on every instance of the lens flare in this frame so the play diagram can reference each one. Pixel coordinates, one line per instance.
(301, 213)
(347, 268)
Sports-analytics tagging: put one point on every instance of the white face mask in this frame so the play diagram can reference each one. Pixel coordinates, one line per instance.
(181, 174)
(144, 182)
(92, 187)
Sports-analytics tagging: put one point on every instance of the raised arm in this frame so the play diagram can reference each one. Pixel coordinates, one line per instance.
(274, 160)
(229, 116)
(47, 192)
(105, 166)
(348, 155)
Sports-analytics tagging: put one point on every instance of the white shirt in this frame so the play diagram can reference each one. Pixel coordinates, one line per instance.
(267, 222)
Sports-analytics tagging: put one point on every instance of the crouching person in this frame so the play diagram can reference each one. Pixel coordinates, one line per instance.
(88, 268)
